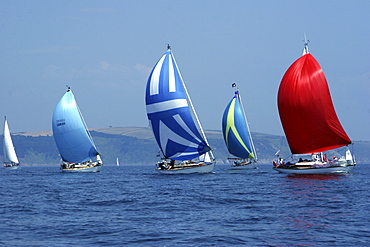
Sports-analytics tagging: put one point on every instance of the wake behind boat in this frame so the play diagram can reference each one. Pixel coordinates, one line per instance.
(175, 125)
(309, 121)
(10, 157)
(73, 140)
(237, 135)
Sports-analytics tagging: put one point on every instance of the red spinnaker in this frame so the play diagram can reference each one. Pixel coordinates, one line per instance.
(306, 109)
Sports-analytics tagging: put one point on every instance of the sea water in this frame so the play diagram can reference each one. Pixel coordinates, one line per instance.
(135, 206)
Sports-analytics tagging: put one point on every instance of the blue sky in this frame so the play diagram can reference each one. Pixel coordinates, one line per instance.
(104, 50)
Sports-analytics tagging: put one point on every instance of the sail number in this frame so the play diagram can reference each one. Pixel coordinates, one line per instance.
(61, 122)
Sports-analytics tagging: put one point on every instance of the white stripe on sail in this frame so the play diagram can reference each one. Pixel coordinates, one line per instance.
(154, 80)
(180, 121)
(183, 154)
(167, 134)
(166, 105)
(171, 76)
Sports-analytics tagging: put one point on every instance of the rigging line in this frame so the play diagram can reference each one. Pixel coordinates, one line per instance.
(247, 123)
(194, 114)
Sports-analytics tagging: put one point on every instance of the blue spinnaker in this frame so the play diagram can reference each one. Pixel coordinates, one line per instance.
(169, 113)
(70, 133)
(235, 130)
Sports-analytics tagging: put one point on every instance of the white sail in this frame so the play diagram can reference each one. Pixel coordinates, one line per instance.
(9, 152)
(349, 158)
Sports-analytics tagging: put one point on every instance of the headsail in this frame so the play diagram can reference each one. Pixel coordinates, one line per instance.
(306, 109)
(72, 138)
(170, 113)
(235, 129)
(9, 152)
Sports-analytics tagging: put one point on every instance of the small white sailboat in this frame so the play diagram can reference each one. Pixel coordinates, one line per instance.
(309, 121)
(10, 156)
(73, 140)
(237, 135)
(117, 162)
(175, 124)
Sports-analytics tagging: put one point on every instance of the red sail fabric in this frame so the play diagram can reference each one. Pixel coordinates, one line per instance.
(306, 109)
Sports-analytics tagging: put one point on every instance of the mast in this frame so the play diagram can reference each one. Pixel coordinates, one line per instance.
(305, 49)
(191, 105)
(83, 120)
(87, 130)
(246, 121)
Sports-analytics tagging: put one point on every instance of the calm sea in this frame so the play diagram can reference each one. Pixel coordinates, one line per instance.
(135, 206)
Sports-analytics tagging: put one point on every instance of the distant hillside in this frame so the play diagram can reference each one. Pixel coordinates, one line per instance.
(136, 145)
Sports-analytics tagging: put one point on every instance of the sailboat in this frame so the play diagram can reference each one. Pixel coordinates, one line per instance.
(237, 135)
(10, 156)
(175, 125)
(74, 142)
(310, 122)
(117, 162)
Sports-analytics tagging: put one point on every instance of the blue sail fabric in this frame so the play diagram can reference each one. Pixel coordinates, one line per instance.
(70, 133)
(169, 114)
(235, 131)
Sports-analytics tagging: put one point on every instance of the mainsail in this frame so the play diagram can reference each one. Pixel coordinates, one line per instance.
(72, 138)
(9, 152)
(235, 129)
(170, 112)
(306, 109)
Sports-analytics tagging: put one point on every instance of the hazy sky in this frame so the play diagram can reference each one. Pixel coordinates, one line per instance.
(105, 50)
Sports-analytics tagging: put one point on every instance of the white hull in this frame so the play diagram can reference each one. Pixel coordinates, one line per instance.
(95, 168)
(207, 168)
(323, 170)
(13, 167)
(315, 166)
(245, 167)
